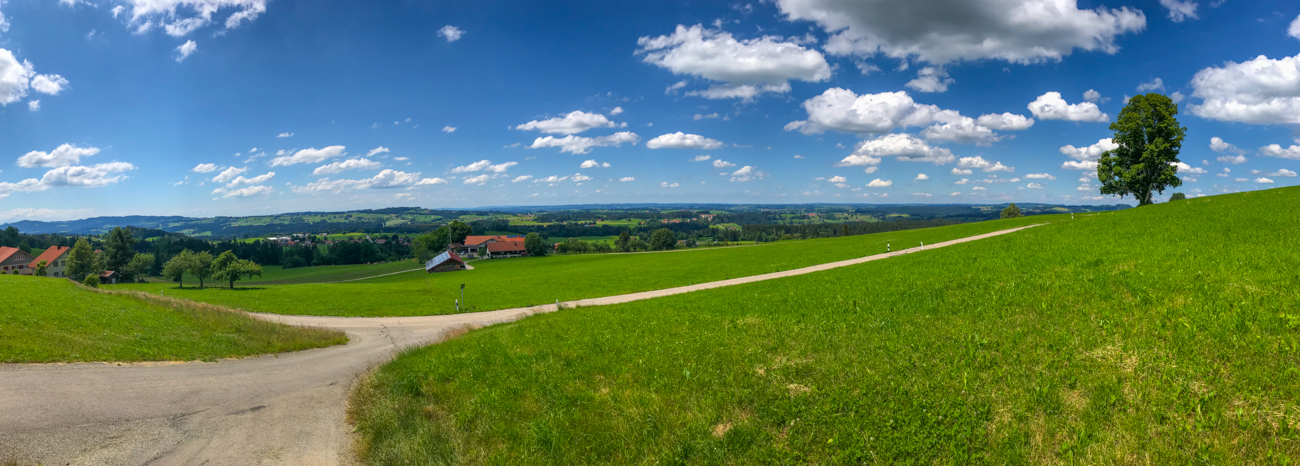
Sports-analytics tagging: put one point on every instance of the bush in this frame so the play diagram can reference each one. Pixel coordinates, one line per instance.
(91, 281)
(1177, 197)
(1012, 212)
(293, 263)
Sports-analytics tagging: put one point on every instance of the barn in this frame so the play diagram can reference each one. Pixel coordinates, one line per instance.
(445, 262)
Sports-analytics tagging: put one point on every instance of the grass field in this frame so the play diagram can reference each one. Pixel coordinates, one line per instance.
(275, 275)
(55, 320)
(1167, 334)
(506, 283)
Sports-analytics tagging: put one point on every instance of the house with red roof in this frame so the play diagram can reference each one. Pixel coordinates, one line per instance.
(474, 245)
(56, 261)
(499, 249)
(14, 260)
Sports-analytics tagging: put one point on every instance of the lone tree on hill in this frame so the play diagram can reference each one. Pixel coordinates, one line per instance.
(662, 239)
(1012, 211)
(81, 260)
(1177, 197)
(534, 244)
(229, 268)
(1146, 161)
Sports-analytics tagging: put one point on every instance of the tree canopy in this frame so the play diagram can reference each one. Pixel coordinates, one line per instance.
(1149, 138)
(81, 260)
(178, 266)
(534, 244)
(662, 239)
(231, 269)
(1012, 211)
(119, 249)
(458, 230)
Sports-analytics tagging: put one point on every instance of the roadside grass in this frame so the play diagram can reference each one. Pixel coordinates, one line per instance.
(1167, 334)
(55, 320)
(527, 281)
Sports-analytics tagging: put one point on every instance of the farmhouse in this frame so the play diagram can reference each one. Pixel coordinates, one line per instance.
(56, 260)
(445, 262)
(506, 249)
(473, 244)
(14, 260)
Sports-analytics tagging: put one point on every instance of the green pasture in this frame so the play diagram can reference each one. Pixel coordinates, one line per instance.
(54, 320)
(1166, 334)
(526, 281)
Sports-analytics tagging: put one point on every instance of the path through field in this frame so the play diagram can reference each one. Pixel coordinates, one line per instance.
(278, 409)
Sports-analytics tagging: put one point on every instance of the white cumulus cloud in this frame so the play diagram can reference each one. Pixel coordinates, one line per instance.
(879, 183)
(680, 140)
(377, 151)
(984, 165)
(1276, 150)
(1051, 106)
(1179, 11)
(62, 156)
(581, 145)
(451, 33)
(350, 164)
(1259, 91)
(1040, 176)
(1090, 153)
(903, 146)
(921, 177)
(311, 155)
(204, 168)
(229, 174)
(739, 68)
(571, 123)
(179, 18)
(484, 165)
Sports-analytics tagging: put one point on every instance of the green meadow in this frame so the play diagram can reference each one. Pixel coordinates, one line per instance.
(507, 283)
(276, 275)
(1167, 334)
(55, 320)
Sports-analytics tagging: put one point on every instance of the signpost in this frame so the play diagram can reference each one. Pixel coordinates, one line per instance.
(462, 294)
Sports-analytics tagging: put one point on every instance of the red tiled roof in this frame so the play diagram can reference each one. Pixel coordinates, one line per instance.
(50, 255)
(6, 253)
(506, 246)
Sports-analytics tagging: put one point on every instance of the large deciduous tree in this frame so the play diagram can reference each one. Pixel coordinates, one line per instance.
(231, 269)
(138, 266)
(534, 244)
(458, 231)
(180, 264)
(81, 260)
(662, 239)
(1149, 138)
(432, 244)
(201, 266)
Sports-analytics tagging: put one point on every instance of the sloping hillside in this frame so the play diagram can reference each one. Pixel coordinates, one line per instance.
(1167, 334)
(54, 320)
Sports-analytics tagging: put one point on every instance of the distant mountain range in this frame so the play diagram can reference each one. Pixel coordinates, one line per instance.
(416, 219)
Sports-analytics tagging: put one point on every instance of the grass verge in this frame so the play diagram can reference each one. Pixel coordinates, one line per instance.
(55, 320)
(1167, 334)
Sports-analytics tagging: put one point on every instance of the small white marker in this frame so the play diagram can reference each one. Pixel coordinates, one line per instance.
(923, 245)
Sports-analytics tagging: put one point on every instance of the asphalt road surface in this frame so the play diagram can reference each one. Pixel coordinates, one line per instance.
(286, 409)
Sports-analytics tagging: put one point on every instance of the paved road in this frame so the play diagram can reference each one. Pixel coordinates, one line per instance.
(280, 409)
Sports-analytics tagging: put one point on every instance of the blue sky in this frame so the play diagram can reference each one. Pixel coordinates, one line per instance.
(241, 107)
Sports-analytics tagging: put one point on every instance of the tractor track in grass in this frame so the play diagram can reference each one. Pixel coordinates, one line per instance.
(275, 409)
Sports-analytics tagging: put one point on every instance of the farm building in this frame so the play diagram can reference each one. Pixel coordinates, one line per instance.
(14, 260)
(506, 249)
(56, 260)
(474, 244)
(445, 262)
(108, 277)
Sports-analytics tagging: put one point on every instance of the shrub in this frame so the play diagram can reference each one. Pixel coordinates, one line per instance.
(91, 281)
(1012, 212)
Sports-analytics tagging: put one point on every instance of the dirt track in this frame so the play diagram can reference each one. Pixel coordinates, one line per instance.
(279, 409)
